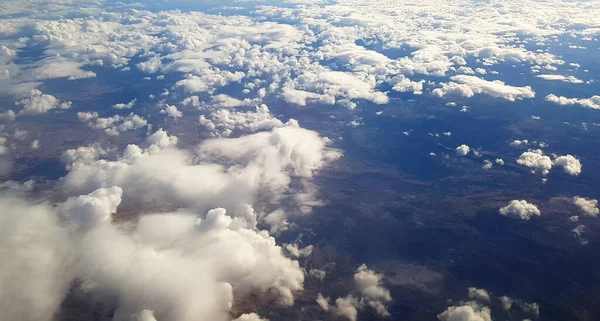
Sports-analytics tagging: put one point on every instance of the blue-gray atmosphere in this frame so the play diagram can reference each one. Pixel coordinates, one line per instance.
(299, 160)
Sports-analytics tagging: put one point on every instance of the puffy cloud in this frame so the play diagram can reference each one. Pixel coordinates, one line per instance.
(536, 160)
(226, 101)
(323, 302)
(520, 209)
(468, 86)
(225, 122)
(578, 232)
(462, 150)
(316, 273)
(93, 209)
(35, 144)
(326, 86)
(506, 302)
(471, 311)
(167, 265)
(35, 261)
(113, 125)
(146, 315)
(346, 308)
(8, 115)
(518, 143)
(298, 252)
(526, 142)
(592, 102)
(487, 164)
(587, 205)
(402, 84)
(172, 111)
(373, 293)
(264, 162)
(250, 317)
(3, 148)
(479, 295)
(569, 164)
(129, 105)
(40, 103)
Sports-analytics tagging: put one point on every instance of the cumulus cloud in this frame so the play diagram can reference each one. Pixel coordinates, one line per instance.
(172, 111)
(369, 285)
(536, 160)
(167, 266)
(40, 103)
(112, 125)
(587, 205)
(316, 273)
(370, 292)
(35, 255)
(569, 164)
(468, 86)
(225, 122)
(402, 84)
(323, 302)
(250, 317)
(3, 148)
(346, 308)
(326, 86)
(592, 102)
(479, 294)
(128, 105)
(297, 252)
(520, 209)
(264, 161)
(462, 150)
(470, 311)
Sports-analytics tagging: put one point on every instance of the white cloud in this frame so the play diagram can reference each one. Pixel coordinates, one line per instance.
(264, 161)
(129, 105)
(224, 122)
(587, 205)
(8, 115)
(172, 111)
(170, 264)
(487, 164)
(323, 302)
(462, 150)
(326, 86)
(592, 102)
(112, 125)
(571, 79)
(35, 144)
(479, 295)
(468, 86)
(346, 308)
(40, 103)
(402, 84)
(569, 164)
(470, 311)
(316, 273)
(298, 252)
(146, 315)
(250, 317)
(536, 160)
(369, 285)
(520, 209)
(35, 260)
(506, 302)
(226, 101)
